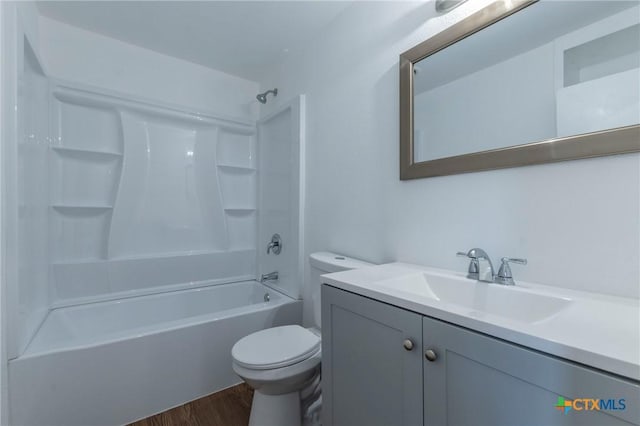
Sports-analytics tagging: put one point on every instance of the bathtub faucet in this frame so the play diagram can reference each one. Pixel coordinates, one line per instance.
(271, 276)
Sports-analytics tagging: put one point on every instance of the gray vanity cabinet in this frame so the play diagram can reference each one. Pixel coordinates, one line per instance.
(478, 380)
(371, 362)
(449, 375)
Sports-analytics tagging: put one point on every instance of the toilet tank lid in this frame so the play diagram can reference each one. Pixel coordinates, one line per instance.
(333, 262)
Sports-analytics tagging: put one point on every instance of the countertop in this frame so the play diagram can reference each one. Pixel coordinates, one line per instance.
(596, 330)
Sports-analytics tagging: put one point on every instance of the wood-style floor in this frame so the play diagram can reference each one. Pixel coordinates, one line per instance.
(229, 407)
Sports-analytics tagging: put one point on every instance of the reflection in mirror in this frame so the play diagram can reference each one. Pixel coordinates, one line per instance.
(444, 6)
(553, 69)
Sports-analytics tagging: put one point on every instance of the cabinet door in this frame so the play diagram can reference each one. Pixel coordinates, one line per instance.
(368, 376)
(478, 380)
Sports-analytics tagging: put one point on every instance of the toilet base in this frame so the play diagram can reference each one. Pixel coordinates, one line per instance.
(275, 410)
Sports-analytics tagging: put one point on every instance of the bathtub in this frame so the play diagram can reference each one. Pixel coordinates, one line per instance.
(115, 362)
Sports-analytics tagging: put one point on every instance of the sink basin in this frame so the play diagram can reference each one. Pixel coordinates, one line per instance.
(481, 298)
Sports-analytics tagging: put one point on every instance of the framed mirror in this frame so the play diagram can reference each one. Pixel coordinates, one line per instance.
(521, 83)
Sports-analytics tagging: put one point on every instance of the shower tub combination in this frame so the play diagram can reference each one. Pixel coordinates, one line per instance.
(142, 233)
(118, 361)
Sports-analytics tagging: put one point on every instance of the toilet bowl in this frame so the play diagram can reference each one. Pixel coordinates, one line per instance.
(279, 362)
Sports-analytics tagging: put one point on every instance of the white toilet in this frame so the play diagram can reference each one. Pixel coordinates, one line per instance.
(281, 361)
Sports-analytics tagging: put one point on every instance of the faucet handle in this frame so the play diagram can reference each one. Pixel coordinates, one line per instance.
(472, 272)
(275, 245)
(508, 260)
(504, 274)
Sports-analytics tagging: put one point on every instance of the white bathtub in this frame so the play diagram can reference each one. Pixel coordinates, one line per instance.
(114, 362)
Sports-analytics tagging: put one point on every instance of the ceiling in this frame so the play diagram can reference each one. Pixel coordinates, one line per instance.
(237, 37)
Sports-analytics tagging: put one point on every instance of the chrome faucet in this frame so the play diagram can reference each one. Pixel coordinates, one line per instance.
(271, 276)
(480, 268)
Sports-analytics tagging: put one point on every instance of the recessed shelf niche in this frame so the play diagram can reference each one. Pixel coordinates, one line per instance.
(236, 164)
(598, 75)
(236, 150)
(85, 127)
(603, 56)
(84, 177)
(85, 163)
(86, 152)
(236, 169)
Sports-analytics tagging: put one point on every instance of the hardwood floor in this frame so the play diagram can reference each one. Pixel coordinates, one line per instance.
(229, 407)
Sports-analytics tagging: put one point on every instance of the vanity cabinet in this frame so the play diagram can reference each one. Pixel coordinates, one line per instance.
(450, 375)
(371, 362)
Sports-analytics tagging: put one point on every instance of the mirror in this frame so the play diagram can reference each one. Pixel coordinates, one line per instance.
(522, 83)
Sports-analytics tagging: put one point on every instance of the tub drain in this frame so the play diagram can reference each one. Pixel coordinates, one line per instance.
(266, 297)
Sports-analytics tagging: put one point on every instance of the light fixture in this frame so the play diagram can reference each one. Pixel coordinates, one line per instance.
(443, 6)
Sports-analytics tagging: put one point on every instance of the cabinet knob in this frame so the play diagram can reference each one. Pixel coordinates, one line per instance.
(430, 355)
(408, 344)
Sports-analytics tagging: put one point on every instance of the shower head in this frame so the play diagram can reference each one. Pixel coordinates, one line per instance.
(262, 97)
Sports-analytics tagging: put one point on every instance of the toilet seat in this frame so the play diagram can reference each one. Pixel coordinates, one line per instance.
(275, 347)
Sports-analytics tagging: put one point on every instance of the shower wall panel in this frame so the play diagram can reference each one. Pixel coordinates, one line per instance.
(169, 184)
(281, 194)
(30, 303)
(146, 197)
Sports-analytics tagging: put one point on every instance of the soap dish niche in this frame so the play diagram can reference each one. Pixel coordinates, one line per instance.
(77, 178)
(83, 124)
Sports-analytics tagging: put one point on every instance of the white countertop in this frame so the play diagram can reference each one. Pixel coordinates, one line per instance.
(594, 329)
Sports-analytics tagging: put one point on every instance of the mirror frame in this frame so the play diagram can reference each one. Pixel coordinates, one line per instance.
(619, 140)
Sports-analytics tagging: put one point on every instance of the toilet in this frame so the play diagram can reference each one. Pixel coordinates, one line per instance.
(280, 362)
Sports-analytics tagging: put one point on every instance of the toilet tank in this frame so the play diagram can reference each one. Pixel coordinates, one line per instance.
(324, 263)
